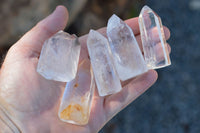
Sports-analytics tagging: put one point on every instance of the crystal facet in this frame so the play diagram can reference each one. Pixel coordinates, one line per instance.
(153, 39)
(105, 74)
(59, 57)
(128, 59)
(76, 101)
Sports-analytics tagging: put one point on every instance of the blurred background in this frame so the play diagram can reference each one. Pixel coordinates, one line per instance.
(172, 104)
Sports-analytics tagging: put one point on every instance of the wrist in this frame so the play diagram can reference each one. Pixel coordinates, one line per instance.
(6, 123)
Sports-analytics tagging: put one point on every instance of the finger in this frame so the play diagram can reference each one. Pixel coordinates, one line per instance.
(155, 37)
(35, 38)
(159, 56)
(133, 23)
(160, 53)
(115, 103)
(155, 34)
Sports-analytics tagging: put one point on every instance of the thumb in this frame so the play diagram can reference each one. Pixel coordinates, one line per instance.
(35, 38)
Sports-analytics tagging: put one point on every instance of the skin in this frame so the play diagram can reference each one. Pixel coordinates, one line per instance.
(32, 102)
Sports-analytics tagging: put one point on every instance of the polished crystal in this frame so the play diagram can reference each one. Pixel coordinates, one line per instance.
(76, 102)
(153, 39)
(107, 80)
(59, 57)
(128, 58)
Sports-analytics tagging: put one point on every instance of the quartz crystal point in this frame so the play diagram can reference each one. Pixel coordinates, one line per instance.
(77, 98)
(107, 80)
(128, 58)
(153, 39)
(59, 57)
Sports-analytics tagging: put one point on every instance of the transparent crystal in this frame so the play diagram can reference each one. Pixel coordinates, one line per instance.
(59, 57)
(77, 97)
(128, 59)
(107, 80)
(153, 39)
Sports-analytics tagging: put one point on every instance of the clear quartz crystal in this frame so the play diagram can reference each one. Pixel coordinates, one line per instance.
(128, 58)
(77, 97)
(153, 39)
(107, 80)
(59, 57)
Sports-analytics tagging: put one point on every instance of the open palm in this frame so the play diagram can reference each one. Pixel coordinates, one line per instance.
(32, 102)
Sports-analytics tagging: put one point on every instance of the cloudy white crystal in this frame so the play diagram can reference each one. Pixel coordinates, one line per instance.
(107, 80)
(128, 58)
(59, 57)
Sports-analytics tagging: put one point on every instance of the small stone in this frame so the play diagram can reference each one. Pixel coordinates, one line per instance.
(128, 58)
(59, 57)
(107, 80)
(76, 102)
(153, 39)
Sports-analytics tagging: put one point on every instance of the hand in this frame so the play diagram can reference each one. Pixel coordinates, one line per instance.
(32, 102)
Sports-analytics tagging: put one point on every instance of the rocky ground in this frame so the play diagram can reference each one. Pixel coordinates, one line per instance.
(172, 104)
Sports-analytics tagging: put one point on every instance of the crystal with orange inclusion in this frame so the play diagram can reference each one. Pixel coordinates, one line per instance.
(76, 101)
(74, 112)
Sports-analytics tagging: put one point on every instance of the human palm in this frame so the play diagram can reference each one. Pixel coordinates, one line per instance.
(32, 102)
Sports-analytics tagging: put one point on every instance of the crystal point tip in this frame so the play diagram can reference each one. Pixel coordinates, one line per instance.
(91, 31)
(113, 21)
(146, 9)
(114, 17)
